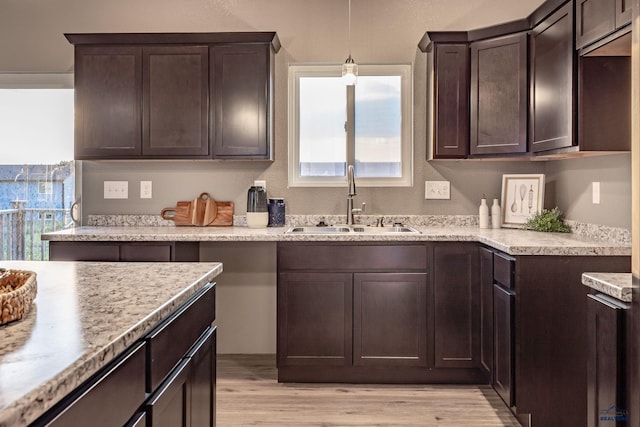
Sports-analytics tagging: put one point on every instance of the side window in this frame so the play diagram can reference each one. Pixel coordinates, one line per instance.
(37, 170)
(368, 125)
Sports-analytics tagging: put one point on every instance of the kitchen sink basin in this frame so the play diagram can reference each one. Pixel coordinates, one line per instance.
(352, 229)
(318, 230)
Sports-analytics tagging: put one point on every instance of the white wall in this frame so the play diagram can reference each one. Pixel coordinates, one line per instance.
(31, 40)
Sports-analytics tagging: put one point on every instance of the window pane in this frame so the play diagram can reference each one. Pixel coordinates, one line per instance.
(378, 147)
(37, 181)
(323, 112)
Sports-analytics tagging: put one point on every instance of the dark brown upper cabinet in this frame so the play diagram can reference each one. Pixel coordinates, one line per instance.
(451, 112)
(174, 95)
(242, 101)
(552, 91)
(108, 101)
(498, 120)
(596, 19)
(175, 105)
(448, 94)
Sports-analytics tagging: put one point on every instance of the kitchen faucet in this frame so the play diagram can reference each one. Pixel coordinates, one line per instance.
(351, 192)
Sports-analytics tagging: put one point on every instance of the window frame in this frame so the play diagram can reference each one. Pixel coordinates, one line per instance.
(296, 71)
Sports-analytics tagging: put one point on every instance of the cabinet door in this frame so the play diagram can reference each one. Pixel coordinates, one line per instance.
(241, 100)
(168, 405)
(503, 369)
(315, 319)
(486, 309)
(390, 319)
(594, 20)
(605, 362)
(552, 82)
(451, 109)
(457, 305)
(176, 101)
(109, 399)
(145, 252)
(202, 382)
(499, 95)
(84, 251)
(108, 102)
(623, 12)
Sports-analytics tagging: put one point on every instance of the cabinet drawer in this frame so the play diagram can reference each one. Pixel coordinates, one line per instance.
(503, 269)
(351, 257)
(150, 252)
(84, 251)
(171, 340)
(110, 399)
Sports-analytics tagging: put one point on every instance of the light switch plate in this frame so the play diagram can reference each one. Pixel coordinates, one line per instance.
(437, 190)
(595, 193)
(116, 189)
(145, 189)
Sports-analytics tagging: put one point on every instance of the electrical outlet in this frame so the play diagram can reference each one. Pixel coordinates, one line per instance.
(260, 183)
(595, 193)
(145, 189)
(116, 189)
(437, 190)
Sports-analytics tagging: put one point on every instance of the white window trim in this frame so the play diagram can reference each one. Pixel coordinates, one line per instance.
(334, 70)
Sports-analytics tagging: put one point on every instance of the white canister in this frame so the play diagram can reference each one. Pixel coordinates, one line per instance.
(496, 214)
(483, 212)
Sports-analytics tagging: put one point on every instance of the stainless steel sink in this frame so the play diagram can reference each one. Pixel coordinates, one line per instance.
(352, 229)
(318, 230)
(384, 230)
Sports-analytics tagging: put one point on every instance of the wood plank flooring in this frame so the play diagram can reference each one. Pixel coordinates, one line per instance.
(249, 395)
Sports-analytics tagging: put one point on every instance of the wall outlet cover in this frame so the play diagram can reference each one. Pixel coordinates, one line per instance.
(437, 190)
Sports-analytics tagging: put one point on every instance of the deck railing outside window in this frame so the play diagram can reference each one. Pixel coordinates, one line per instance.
(21, 228)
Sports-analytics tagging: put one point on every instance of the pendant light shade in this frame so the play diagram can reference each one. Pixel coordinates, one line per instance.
(349, 68)
(349, 72)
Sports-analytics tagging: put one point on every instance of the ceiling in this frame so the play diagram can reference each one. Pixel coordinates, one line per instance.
(31, 31)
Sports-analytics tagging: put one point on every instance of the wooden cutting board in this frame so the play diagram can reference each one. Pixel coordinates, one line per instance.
(202, 211)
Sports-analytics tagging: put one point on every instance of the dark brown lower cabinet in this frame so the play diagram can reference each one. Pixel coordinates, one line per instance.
(456, 305)
(370, 313)
(551, 336)
(314, 319)
(486, 309)
(607, 404)
(111, 396)
(503, 361)
(390, 319)
(185, 398)
(124, 251)
(167, 378)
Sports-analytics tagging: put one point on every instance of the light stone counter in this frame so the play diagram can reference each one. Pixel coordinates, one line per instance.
(617, 285)
(83, 316)
(512, 241)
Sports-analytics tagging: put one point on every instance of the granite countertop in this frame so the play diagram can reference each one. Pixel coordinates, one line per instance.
(83, 316)
(617, 285)
(511, 241)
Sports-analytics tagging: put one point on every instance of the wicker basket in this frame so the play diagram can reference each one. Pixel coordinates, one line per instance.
(17, 291)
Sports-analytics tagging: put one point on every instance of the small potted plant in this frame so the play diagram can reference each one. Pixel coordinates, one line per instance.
(549, 220)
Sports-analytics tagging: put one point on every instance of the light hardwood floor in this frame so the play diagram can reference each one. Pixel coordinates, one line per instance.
(249, 395)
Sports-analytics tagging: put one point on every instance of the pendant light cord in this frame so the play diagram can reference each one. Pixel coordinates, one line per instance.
(349, 28)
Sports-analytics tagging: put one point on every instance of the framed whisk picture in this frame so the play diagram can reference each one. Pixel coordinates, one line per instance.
(522, 197)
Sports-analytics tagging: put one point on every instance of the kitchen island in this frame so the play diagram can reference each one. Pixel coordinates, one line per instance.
(84, 316)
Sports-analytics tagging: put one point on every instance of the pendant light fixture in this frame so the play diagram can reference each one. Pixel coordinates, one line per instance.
(349, 68)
